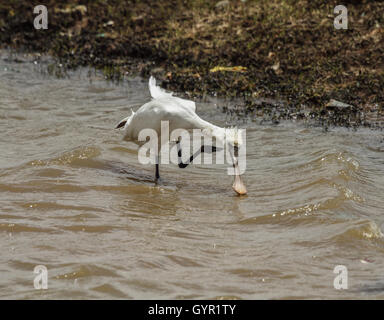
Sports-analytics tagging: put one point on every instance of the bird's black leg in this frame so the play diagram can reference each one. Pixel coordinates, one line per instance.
(179, 156)
(157, 172)
(202, 149)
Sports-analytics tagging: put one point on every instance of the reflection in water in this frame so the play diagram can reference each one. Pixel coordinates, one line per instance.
(75, 198)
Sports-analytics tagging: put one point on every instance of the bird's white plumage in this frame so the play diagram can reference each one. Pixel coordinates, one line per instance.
(180, 113)
(159, 93)
(156, 91)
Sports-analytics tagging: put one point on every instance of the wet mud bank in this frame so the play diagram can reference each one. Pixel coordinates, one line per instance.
(277, 59)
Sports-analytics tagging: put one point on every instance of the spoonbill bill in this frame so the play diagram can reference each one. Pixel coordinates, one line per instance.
(180, 114)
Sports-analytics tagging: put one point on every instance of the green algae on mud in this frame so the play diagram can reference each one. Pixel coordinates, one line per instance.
(295, 62)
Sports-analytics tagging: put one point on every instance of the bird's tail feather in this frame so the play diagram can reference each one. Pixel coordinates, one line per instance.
(156, 91)
(123, 123)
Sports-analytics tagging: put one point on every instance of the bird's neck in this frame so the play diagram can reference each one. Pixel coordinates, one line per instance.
(212, 130)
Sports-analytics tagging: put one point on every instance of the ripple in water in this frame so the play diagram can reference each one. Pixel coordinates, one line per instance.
(75, 198)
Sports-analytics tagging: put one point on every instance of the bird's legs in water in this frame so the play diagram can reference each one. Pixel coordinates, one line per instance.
(180, 162)
(157, 174)
(202, 149)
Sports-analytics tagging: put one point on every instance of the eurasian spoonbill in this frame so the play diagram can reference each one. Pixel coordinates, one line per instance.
(180, 114)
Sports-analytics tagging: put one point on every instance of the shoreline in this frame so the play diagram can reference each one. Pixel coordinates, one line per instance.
(280, 60)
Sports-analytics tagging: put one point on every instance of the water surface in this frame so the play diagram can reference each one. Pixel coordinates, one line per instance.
(74, 197)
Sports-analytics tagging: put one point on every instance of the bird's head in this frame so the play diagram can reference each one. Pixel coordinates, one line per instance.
(234, 140)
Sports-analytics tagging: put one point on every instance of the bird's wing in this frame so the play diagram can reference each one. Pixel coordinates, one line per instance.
(123, 122)
(159, 93)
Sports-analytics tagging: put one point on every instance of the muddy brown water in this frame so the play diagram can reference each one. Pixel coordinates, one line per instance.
(74, 198)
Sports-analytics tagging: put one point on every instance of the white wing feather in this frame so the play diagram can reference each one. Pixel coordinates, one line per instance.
(159, 93)
(156, 91)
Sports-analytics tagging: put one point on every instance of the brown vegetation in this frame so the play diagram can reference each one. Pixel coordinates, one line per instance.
(284, 58)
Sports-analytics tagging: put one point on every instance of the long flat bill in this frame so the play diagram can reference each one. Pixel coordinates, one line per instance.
(239, 186)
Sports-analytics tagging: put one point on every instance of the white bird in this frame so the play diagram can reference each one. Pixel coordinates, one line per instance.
(180, 114)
